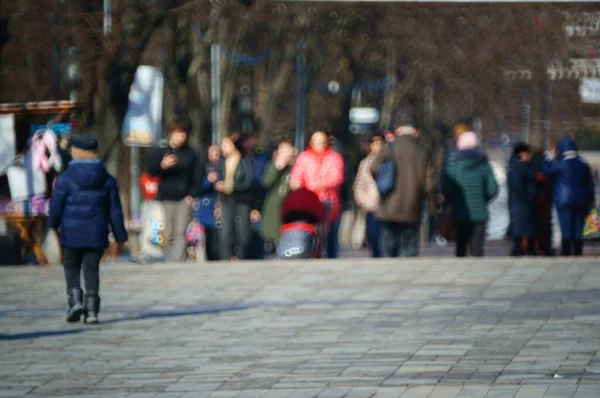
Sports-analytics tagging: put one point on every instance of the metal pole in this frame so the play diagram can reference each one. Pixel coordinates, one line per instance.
(215, 57)
(107, 17)
(300, 97)
(56, 72)
(135, 186)
(526, 114)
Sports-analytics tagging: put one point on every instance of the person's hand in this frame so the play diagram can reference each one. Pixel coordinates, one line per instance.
(212, 177)
(219, 186)
(295, 185)
(280, 163)
(189, 201)
(168, 161)
(255, 216)
(441, 199)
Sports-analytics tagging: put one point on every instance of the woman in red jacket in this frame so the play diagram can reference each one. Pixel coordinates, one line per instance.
(321, 170)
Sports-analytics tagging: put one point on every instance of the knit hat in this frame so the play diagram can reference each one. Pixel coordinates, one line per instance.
(459, 129)
(85, 142)
(467, 140)
(406, 130)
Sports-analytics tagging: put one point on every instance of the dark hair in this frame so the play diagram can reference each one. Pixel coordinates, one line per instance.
(376, 136)
(179, 124)
(285, 141)
(521, 147)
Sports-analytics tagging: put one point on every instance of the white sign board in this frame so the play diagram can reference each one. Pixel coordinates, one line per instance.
(589, 91)
(8, 147)
(143, 120)
(364, 115)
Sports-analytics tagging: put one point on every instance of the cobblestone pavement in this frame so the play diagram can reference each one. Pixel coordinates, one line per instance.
(437, 328)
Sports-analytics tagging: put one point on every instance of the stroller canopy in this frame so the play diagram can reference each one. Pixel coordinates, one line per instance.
(303, 201)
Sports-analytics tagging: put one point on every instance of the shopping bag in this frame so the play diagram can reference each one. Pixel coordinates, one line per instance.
(346, 225)
(591, 228)
(359, 229)
(153, 233)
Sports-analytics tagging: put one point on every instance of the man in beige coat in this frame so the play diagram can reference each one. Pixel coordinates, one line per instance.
(400, 212)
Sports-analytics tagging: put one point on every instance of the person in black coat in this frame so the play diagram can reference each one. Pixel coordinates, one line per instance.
(521, 199)
(236, 200)
(181, 173)
(85, 202)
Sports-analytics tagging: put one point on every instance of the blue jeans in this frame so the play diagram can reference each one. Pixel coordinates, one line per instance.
(333, 243)
(571, 223)
(399, 240)
(373, 228)
(257, 243)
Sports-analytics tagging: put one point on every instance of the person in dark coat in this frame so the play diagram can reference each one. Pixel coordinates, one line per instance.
(85, 202)
(468, 185)
(521, 199)
(573, 194)
(259, 159)
(235, 201)
(205, 203)
(543, 205)
(180, 172)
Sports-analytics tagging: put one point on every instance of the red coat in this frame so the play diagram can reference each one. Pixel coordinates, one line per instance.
(323, 174)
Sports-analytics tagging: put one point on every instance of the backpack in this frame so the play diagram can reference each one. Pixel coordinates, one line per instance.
(386, 178)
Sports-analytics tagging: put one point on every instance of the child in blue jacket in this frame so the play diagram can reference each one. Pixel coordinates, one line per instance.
(85, 202)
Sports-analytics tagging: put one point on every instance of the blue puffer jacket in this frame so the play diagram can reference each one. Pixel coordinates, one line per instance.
(573, 182)
(85, 201)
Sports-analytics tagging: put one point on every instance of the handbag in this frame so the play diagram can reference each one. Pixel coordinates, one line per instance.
(386, 178)
(445, 224)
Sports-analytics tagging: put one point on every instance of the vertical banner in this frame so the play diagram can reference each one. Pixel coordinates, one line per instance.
(8, 145)
(142, 125)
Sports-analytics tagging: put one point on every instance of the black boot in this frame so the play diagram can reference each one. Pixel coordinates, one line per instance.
(567, 246)
(531, 247)
(92, 307)
(578, 248)
(76, 309)
(517, 250)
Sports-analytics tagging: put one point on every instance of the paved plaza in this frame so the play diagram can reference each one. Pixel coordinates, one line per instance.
(429, 327)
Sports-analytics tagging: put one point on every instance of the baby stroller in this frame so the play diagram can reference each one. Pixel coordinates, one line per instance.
(304, 227)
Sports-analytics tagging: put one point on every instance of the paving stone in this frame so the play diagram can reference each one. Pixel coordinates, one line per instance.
(357, 328)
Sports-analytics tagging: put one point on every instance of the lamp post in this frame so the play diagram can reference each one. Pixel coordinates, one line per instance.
(301, 87)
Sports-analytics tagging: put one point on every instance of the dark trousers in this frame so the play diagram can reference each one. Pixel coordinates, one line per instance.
(399, 240)
(235, 233)
(470, 235)
(373, 232)
(87, 259)
(257, 243)
(212, 244)
(571, 228)
(333, 241)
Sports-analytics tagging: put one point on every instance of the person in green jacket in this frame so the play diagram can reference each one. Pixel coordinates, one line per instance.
(276, 181)
(468, 184)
